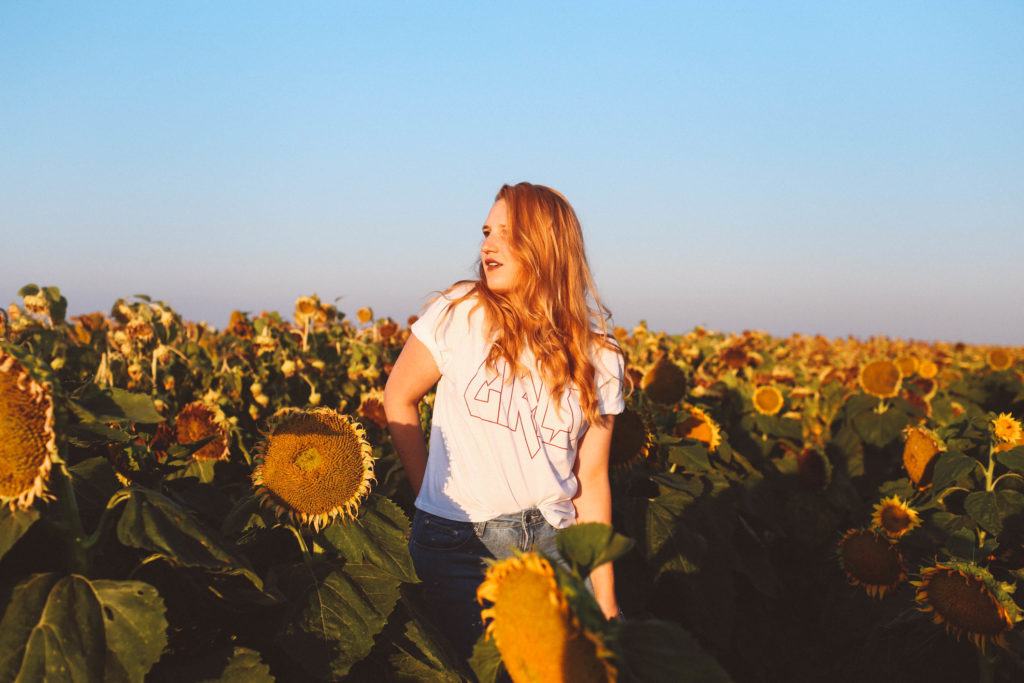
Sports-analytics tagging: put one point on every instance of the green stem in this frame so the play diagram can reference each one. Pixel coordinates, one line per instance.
(989, 485)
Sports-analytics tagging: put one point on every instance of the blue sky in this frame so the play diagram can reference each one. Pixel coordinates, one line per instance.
(835, 168)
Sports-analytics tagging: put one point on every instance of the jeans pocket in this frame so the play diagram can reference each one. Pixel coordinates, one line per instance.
(438, 533)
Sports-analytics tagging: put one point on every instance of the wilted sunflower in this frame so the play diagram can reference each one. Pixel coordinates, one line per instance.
(968, 600)
(314, 465)
(920, 447)
(696, 424)
(894, 517)
(538, 636)
(198, 420)
(814, 469)
(880, 378)
(664, 382)
(767, 400)
(28, 442)
(632, 439)
(999, 359)
(306, 308)
(371, 407)
(871, 560)
(1006, 429)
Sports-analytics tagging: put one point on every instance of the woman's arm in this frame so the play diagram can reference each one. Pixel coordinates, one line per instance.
(414, 373)
(593, 502)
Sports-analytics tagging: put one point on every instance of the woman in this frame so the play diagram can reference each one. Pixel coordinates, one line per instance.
(528, 385)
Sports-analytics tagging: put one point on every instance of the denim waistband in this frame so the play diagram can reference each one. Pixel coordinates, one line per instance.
(530, 515)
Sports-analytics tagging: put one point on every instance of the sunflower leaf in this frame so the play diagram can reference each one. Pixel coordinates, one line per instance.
(951, 467)
(486, 660)
(379, 535)
(587, 545)
(1012, 459)
(13, 525)
(655, 650)
(990, 508)
(135, 627)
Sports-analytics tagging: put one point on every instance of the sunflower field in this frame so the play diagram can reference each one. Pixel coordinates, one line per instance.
(183, 503)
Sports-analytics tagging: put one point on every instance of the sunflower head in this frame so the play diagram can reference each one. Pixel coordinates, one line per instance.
(632, 439)
(881, 378)
(767, 400)
(1006, 429)
(814, 469)
(664, 382)
(907, 365)
(534, 629)
(694, 423)
(314, 465)
(968, 600)
(364, 315)
(28, 441)
(894, 517)
(927, 369)
(871, 560)
(371, 407)
(306, 308)
(920, 447)
(999, 359)
(198, 420)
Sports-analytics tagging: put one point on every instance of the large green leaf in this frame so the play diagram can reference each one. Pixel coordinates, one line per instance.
(1012, 459)
(590, 544)
(135, 626)
(486, 660)
(879, 430)
(419, 657)
(990, 508)
(951, 467)
(13, 525)
(244, 666)
(693, 458)
(671, 545)
(338, 609)
(72, 629)
(378, 535)
(653, 650)
(93, 404)
(154, 522)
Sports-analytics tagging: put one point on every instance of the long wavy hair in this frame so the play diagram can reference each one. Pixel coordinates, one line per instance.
(548, 310)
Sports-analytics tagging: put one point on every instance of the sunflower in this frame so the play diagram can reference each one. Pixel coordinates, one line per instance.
(306, 308)
(871, 560)
(767, 400)
(927, 369)
(907, 365)
(198, 420)
(371, 407)
(538, 636)
(698, 425)
(1006, 429)
(28, 442)
(632, 439)
(968, 600)
(999, 359)
(364, 315)
(919, 450)
(880, 378)
(314, 465)
(894, 517)
(664, 382)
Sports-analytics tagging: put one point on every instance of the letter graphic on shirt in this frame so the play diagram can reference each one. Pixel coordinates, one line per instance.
(514, 405)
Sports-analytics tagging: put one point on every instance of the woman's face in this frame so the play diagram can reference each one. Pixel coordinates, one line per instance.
(502, 278)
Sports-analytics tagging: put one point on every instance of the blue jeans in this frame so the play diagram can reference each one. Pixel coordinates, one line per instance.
(448, 557)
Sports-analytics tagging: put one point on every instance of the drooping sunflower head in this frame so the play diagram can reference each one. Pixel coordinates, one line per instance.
(871, 560)
(314, 465)
(1006, 429)
(664, 382)
(632, 439)
(533, 627)
(814, 469)
(893, 517)
(694, 423)
(920, 447)
(306, 308)
(968, 600)
(198, 420)
(371, 407)
(767, 400)
(28, 442)
(881, 378)
(999, 359)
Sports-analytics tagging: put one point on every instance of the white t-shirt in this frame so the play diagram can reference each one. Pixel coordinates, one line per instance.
(497, 445)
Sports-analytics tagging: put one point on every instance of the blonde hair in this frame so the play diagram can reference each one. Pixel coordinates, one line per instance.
(549, 310)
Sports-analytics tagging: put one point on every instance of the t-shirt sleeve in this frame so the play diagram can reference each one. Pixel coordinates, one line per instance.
(610, 374)
(431, 327)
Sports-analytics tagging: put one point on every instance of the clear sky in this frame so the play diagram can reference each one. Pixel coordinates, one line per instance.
(839, 167)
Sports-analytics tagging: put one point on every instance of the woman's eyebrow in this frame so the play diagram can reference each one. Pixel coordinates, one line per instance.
(500, 225)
